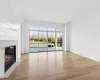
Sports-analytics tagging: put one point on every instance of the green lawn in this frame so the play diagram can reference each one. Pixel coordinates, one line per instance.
(31, 42)
(38, 47)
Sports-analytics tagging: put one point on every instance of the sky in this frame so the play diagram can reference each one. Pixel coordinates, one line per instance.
(42, 28)
(36, 29)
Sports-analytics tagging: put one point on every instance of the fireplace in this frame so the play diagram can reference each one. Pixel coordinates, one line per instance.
(10, 56)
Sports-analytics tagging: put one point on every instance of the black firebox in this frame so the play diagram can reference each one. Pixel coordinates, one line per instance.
(10, 56)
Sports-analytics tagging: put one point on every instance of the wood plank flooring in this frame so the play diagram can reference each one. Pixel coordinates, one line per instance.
(55, 66)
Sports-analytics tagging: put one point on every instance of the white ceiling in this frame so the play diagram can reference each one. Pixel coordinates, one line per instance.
(60, 11)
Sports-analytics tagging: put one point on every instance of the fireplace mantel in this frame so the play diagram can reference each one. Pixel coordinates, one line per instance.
(3, 44)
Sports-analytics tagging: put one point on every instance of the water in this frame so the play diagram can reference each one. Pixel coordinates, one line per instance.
(41, 49)
(40, 45)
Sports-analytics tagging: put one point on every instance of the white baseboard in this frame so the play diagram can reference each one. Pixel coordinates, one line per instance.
(10, 70)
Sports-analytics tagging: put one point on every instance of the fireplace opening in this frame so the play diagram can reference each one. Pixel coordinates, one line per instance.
(10, 56)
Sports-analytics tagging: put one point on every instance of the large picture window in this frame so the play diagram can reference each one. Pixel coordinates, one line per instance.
(45, 39)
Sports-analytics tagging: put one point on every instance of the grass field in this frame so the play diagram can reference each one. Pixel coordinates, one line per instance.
(39, 47)
(31, 42)
(41, 43)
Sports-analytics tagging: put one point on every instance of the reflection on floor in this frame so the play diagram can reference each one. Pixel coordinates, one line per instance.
(55, 66)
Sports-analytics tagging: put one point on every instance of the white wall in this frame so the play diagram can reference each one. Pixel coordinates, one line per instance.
(66, 37)
(25, 32)
(1, 61)
(8, 34)
(85, 34)
(22, 38)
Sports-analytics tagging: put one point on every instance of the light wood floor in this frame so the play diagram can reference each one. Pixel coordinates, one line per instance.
(55, 66)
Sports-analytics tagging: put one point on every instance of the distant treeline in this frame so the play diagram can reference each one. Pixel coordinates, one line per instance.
(50, 39)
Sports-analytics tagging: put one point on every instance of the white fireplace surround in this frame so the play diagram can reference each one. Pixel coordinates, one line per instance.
(3, 44)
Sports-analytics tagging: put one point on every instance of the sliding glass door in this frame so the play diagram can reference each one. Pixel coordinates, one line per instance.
(51, 41)
(34, 41)
(45, 39)
(59, 37)
(42, 41)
